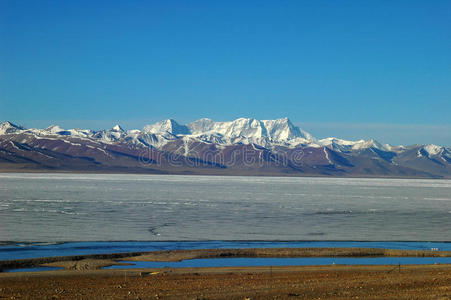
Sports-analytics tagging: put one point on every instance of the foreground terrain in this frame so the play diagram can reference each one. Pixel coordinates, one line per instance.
(322, 282)
(83, 278)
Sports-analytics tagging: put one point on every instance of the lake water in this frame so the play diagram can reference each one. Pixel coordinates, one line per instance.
(22, 251)
(96, 207)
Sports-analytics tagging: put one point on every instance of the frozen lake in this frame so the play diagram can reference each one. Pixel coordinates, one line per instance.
(104, 207)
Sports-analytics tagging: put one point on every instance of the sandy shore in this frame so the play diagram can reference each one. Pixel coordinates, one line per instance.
(83, 278)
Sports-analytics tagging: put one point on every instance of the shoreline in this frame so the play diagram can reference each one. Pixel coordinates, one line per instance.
(6, 243)
(225, 174)
(98, 261)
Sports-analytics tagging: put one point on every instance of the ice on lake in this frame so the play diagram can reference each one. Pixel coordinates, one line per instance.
(106, 207)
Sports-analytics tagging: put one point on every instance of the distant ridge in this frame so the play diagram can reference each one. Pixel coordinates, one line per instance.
(244, 146)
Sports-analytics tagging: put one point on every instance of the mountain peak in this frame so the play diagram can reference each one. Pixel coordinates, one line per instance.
(283, 120)
(54, 129)
(251, 130)
(433, 150)
(7, 123)
(8, 127)
(118, 128)
(344, 145)
(283, 129)
(167, 126)
(169, 122)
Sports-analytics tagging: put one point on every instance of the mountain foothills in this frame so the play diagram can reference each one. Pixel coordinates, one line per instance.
(241, 147)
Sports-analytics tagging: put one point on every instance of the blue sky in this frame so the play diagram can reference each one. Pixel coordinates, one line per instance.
(352, 69)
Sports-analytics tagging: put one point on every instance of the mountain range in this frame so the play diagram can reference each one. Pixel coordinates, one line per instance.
(245, 146)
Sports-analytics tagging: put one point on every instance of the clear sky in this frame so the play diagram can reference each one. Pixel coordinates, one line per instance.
(352, 69)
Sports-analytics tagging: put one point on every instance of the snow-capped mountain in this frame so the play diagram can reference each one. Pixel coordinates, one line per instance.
(167, 126)
(276, 131)
(242, 146)
(264, 133)
(56, 130)
(430, 150)
(434, 152)
(111, 135)
(345, 146)
(9, 128)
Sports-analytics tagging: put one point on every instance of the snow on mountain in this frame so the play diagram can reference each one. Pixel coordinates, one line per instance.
(279, 147)
(9, 128)
(54, 129)
(265, 133)
(167, 126)
(117, 128)
(344, 145)
(240, 131)
(242, 127)
(431, 150)
(202, 125)
(283, 129)
(111, 135)
(251, 131)
(270, 134)
(156, 140)
(211, 137)
(57, 130)
(369, 144)
(337, 144)
(397, 149)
